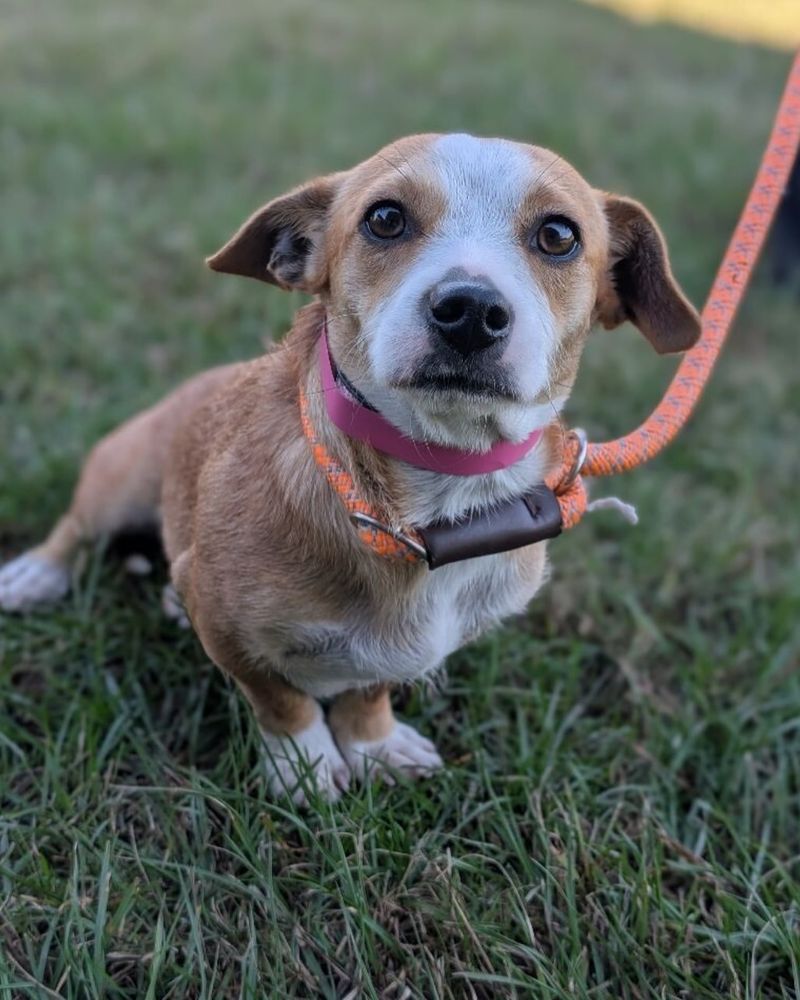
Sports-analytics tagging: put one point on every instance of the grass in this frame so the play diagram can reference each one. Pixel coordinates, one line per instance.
(619, 817)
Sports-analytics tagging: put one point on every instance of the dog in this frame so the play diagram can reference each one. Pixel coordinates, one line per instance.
(344, 512)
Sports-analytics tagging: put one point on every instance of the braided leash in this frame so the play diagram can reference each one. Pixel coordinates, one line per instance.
(735, 271)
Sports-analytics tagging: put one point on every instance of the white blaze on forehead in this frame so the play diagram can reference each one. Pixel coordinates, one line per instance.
(484, 181)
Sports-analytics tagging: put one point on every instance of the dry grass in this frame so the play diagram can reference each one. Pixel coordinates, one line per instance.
(774, 22)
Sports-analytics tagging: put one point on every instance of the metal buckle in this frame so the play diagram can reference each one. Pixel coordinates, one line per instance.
(372, 522)
(575, 469)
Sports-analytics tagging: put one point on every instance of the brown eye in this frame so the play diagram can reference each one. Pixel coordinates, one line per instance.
(557, 238)
(385, 220)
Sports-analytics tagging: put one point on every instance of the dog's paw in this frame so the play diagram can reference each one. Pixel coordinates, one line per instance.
(307, 761)
(173, 608)
(403, 752)
(30, 581)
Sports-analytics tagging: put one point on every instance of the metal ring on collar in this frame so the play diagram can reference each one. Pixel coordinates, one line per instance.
(372, 522)
(575, 469)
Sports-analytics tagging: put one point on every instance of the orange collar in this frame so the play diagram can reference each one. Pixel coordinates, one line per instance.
(370, 523)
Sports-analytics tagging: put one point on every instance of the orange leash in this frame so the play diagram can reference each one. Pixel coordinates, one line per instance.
(733, 275)
(369, 521)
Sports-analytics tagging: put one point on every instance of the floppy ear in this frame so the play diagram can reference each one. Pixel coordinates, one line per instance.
(639, 285)
(282, 242)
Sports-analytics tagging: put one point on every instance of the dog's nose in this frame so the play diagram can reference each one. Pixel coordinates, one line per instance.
(469, 316)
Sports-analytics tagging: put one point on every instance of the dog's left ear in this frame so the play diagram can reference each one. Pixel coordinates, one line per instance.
(282, 243)
(639, 285)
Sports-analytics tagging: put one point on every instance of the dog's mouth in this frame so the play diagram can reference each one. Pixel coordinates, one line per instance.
(441, 377)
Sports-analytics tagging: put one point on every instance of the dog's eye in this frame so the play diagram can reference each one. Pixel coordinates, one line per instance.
(557, 237)
(385, 220)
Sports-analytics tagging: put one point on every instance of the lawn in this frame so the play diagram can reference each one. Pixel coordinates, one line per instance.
(619, 814)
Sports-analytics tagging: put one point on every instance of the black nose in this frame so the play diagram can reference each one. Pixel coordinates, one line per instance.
(470, 317)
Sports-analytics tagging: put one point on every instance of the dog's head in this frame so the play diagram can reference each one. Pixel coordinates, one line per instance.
(461, 276)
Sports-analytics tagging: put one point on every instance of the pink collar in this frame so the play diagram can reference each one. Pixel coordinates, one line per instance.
(364, 424)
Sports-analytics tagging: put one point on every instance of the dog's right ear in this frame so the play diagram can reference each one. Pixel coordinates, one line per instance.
(282, 242)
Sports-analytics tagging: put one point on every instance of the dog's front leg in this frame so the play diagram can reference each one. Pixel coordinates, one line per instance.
(298, 747)
(374, 743)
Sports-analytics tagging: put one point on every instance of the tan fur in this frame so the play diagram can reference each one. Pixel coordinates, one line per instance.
(122, 477)
(282, 593)
(365, 716)
(277, 706)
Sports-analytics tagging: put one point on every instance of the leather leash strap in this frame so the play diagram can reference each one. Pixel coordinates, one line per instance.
(734, 273)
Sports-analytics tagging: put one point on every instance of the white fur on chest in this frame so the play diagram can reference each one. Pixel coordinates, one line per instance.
(405, 639)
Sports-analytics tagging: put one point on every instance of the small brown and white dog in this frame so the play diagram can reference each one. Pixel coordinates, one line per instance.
(457, 279)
